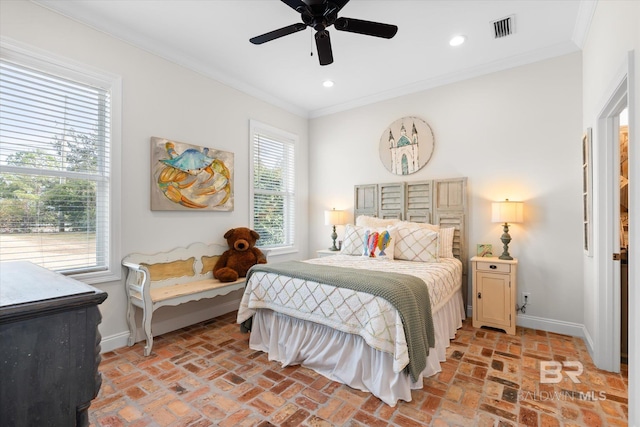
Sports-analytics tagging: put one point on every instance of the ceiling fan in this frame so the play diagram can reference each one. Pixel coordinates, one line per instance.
(320, 15)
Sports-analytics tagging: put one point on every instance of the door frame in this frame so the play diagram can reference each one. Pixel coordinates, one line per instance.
(607, 231)
(606, 352)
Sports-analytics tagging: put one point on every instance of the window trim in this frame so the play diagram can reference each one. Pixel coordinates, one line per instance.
(30, 56)
(282, 135)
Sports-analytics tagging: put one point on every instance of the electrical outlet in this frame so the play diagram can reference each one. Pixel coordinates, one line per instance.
(526, 298)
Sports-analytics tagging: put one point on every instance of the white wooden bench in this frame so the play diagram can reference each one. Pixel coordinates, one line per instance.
(171, 278)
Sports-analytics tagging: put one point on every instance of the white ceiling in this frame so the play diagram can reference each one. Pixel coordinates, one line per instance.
(212, 37)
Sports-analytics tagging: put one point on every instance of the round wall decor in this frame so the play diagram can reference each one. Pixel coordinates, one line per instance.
(406, 145)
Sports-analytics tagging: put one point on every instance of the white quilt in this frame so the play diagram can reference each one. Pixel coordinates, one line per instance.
(371, 317)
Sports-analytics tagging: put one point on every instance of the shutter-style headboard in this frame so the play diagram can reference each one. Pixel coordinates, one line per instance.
(439, 201)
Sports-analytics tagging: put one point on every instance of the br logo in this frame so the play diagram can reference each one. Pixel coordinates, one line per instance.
(551, 372)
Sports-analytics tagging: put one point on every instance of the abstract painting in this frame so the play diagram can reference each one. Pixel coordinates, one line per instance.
(188, 177)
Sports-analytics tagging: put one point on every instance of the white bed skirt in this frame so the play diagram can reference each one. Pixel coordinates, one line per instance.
(346, 358)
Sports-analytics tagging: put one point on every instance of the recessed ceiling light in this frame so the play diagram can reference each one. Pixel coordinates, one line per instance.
(457, 40)
(327, 83)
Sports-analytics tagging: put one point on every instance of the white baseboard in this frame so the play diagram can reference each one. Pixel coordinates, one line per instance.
(119, 340)
(112, 342)
(551, 325)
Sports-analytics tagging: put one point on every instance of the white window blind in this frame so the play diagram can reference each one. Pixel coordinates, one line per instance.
(54, 170)
(273, 197)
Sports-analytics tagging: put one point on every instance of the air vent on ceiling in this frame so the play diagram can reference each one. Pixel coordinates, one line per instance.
(503, 27)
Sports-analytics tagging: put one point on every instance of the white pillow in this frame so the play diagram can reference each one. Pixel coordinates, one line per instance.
(371, 221)
(353, 240)
(426, 225)
(446, 236)
(446, 242)
(379, 243)
(415, 243)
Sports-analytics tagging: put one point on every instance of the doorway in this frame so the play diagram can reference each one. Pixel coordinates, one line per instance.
(607, 229)
(607, 298)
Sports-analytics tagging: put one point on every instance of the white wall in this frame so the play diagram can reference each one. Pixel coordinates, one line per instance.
(165, 100)
(515, 134)
(614, 32)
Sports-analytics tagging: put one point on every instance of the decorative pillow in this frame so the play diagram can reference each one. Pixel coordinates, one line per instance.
(371, 221)
(416, 243)
(420, 224)
(353, 240)
(446, 242)
(379, 243)
(446, 236)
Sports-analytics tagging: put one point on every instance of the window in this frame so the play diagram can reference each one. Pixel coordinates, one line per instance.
(57, 204)
(273, 196)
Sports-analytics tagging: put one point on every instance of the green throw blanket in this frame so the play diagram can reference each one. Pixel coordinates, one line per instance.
(408, 294)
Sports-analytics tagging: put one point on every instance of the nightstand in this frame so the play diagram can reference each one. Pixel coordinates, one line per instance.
(494, 293)
(326, 252)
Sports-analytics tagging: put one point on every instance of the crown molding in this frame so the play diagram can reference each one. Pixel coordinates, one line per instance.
(583, 22)
(492, 67)
(132, 38)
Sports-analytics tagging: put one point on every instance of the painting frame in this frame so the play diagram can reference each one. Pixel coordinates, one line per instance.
(484, 250)
(188, 177)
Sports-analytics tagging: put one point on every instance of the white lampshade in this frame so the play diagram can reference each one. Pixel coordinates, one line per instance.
(335, 217)
(507, 212)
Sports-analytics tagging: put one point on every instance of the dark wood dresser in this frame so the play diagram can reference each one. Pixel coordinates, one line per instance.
(49, 347)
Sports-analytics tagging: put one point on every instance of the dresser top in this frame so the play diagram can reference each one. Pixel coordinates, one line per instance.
(24, 285)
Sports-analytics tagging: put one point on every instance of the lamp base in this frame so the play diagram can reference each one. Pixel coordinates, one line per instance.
(334, 236)
(505, 238)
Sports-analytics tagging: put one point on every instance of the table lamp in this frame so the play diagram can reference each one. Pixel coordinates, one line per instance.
(334, 217)
(508, 213)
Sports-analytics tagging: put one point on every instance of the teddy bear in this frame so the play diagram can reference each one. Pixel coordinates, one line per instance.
(241, 255)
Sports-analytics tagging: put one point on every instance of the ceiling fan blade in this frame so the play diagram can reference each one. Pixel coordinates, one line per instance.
(369, 28)
(323, 44)
(297, 5)
(275, 34)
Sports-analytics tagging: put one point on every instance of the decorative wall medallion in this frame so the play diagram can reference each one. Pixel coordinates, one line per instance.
(406, 145)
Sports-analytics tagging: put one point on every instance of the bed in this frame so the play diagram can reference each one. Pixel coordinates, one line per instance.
(299, 313)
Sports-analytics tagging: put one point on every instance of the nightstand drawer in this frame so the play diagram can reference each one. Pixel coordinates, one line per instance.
(493, 266)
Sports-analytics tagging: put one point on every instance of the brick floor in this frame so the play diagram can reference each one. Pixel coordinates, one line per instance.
(206, 375)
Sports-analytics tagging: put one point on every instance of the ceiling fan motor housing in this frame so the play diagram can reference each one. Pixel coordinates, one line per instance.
(319, 14)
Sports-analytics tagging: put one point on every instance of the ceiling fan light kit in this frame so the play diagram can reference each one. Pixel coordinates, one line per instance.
(320, 15)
